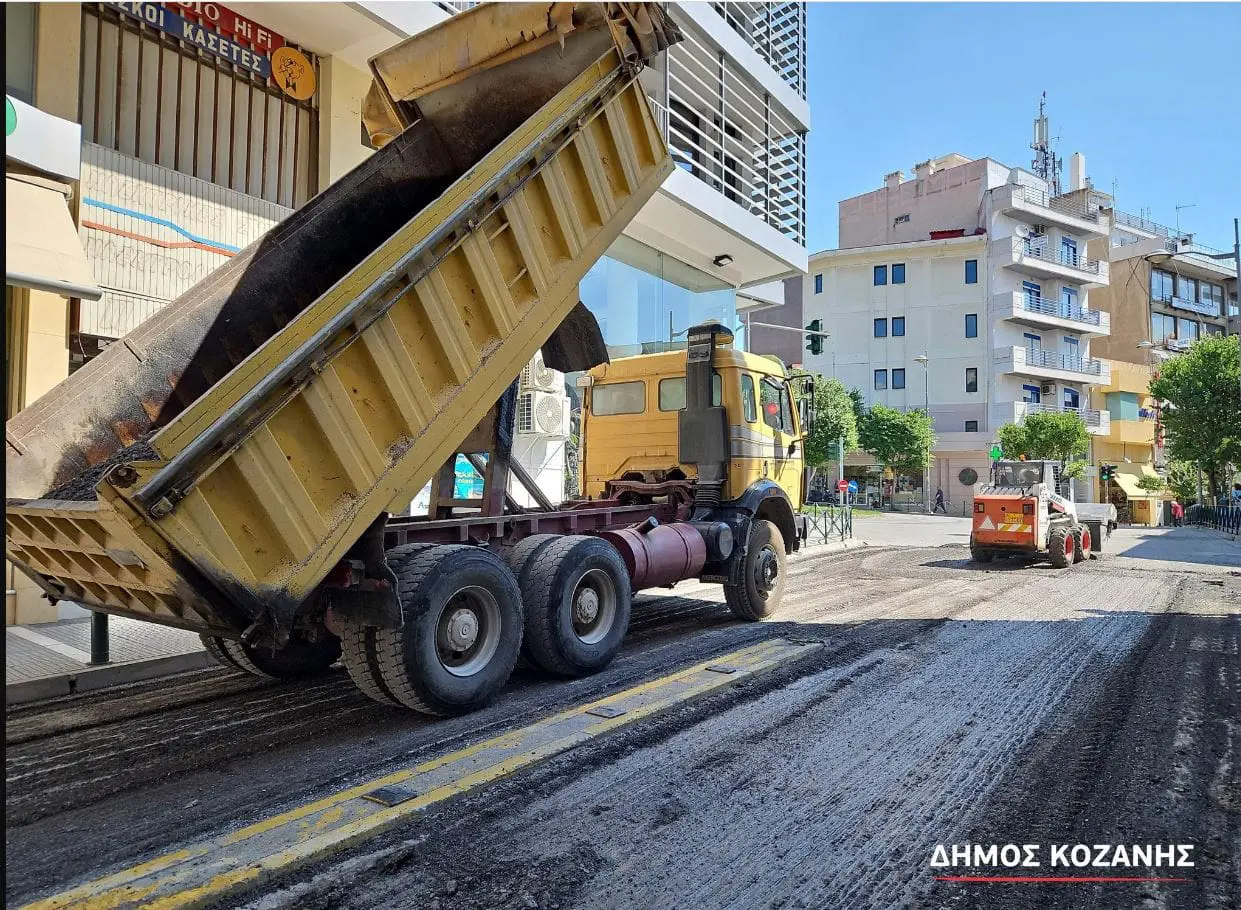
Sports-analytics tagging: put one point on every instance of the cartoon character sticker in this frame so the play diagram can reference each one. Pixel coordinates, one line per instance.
(293, 73)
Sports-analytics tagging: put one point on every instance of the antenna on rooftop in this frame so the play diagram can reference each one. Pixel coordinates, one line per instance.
(1045, 164)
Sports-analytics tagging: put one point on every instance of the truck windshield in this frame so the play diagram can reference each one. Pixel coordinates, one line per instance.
(1018, 474)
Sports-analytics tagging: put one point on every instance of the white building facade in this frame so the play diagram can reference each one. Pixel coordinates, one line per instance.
(965, 289)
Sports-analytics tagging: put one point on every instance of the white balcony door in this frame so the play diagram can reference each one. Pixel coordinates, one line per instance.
(1068, 251)
(1068, 302)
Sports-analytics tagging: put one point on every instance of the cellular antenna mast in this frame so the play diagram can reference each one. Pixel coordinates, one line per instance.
(1045, 164)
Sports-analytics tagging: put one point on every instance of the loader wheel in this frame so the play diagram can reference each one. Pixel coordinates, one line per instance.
(357, 644)
(981, 555)
(1061, 545)
(299, 659)
(1081, 544)
(462, 632)
(577, 599)
(758, 594)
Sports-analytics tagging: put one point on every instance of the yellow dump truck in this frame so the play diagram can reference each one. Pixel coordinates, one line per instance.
(229, 466)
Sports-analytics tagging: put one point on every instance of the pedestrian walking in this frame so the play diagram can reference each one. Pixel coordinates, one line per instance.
(939, 502)
(1178, 514)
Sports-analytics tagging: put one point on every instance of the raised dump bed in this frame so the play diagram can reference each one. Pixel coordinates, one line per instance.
(284, 402)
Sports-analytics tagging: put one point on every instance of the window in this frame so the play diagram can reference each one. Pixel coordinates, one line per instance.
(881, 380)
(881, 328)
(19, 42)
(971, 325)
(1187, 329)
(1212, 294)
(748, 402)
(672, 393)
(881, 275)
(971, 271)
(1068, 251)
(1068, 303)
(971, 379)
(157, 97)
(818, 283)
(1034, 294)
(1187, 288)
(898, 326)
(777, 406)
(621, 398)
(1209, 329)
(1161, 285)
(1031, 394)
(1033, 342)
(1163, 327)
(1072, 399)
(898, 273)
(971, 426)
(898, 379)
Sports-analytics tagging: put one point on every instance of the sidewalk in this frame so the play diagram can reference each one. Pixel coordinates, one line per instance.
(53, 659)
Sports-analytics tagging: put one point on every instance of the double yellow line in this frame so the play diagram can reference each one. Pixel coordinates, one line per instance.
(229, 864)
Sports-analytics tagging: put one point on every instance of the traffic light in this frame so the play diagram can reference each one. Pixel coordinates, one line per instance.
(1107, 472)
(815, 342)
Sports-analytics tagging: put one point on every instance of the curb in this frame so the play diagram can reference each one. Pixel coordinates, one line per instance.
(94, 678)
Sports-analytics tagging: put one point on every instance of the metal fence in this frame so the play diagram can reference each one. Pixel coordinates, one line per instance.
(828, 523)
(1220, 518)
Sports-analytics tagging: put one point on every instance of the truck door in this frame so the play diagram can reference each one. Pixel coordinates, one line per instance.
(779, 424)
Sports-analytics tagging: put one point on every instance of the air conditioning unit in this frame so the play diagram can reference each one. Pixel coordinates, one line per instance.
(542, 414)
(538, 377)
(1048, 388)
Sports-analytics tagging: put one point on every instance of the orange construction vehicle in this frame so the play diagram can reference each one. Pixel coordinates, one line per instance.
(1021, 513)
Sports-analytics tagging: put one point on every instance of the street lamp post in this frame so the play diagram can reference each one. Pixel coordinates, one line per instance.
(926, 407)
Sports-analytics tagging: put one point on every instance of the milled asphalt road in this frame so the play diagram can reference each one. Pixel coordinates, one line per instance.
(1015, 703)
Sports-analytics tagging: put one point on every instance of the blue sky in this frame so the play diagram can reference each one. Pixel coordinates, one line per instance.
(1150, 93)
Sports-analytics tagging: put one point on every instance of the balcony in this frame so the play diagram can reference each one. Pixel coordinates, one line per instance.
(1037, 256)
(1044, 364)
(1039, 311)
(1098, 423)
(1034, 205)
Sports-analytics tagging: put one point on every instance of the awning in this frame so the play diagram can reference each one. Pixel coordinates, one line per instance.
(1128, 481)
(41, 245)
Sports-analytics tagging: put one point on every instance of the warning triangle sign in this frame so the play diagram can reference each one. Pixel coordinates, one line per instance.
(987, 524)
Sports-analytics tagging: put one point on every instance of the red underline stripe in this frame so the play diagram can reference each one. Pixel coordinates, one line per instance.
(1063, 879)
(166, 244)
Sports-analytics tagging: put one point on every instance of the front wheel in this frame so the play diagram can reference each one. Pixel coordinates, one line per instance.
(758, 594)
(979, 555)
(1061, 546)
(462, 632)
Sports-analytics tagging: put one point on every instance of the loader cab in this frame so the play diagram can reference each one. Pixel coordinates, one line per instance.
(631, 411)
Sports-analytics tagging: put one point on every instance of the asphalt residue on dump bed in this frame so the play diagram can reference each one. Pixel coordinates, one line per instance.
(82, 488)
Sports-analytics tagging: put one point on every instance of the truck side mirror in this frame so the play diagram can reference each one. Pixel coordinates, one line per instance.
(792, 448)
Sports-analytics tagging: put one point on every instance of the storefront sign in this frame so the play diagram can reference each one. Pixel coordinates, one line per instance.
(41, 141)
(255, 59)
(226, 22)
(293, 73)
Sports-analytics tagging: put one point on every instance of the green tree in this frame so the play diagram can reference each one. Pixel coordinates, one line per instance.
(1151, 484)
(1202, 414)
(834, 420)
(1052, 435)
(1183, 481)
(899, 440)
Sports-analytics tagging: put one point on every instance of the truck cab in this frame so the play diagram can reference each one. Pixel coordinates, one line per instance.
(630, 429)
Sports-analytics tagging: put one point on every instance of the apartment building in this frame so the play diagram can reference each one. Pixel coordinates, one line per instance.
(1166, 291)
(173, 135)
(966, 288)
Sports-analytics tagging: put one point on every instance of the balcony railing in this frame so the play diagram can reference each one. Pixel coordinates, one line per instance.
(1060, 360)
(1040, 247)
(1093, 419)
(1140, 224)
(777, 31)
(1059, 309)
(1073, 206)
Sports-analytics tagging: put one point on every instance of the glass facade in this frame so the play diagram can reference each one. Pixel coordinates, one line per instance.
(646, 300)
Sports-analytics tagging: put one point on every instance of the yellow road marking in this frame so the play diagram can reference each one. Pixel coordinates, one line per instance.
(222, 866)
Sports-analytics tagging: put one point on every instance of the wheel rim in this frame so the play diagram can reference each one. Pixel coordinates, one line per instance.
(1068, 545)
(467, 632)
(1086, 542)
(593, 606)
(766, 571)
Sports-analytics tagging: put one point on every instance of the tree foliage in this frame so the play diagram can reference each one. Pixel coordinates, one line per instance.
(1151, 484)
(1051, 435)
(1183, 481)
(898, 440)
(834, 420)
(1202, 414)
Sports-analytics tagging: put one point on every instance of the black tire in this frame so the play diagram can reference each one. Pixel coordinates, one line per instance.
(519, 558)
(357, 644)
(420, 664)
(577, 599)
(758, 594)
(301, 658)
(1078, 533)
(1061, 546)
(980, 555)
(215, 647)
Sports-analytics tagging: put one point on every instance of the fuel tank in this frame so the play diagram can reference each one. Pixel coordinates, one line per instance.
(657, 555)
